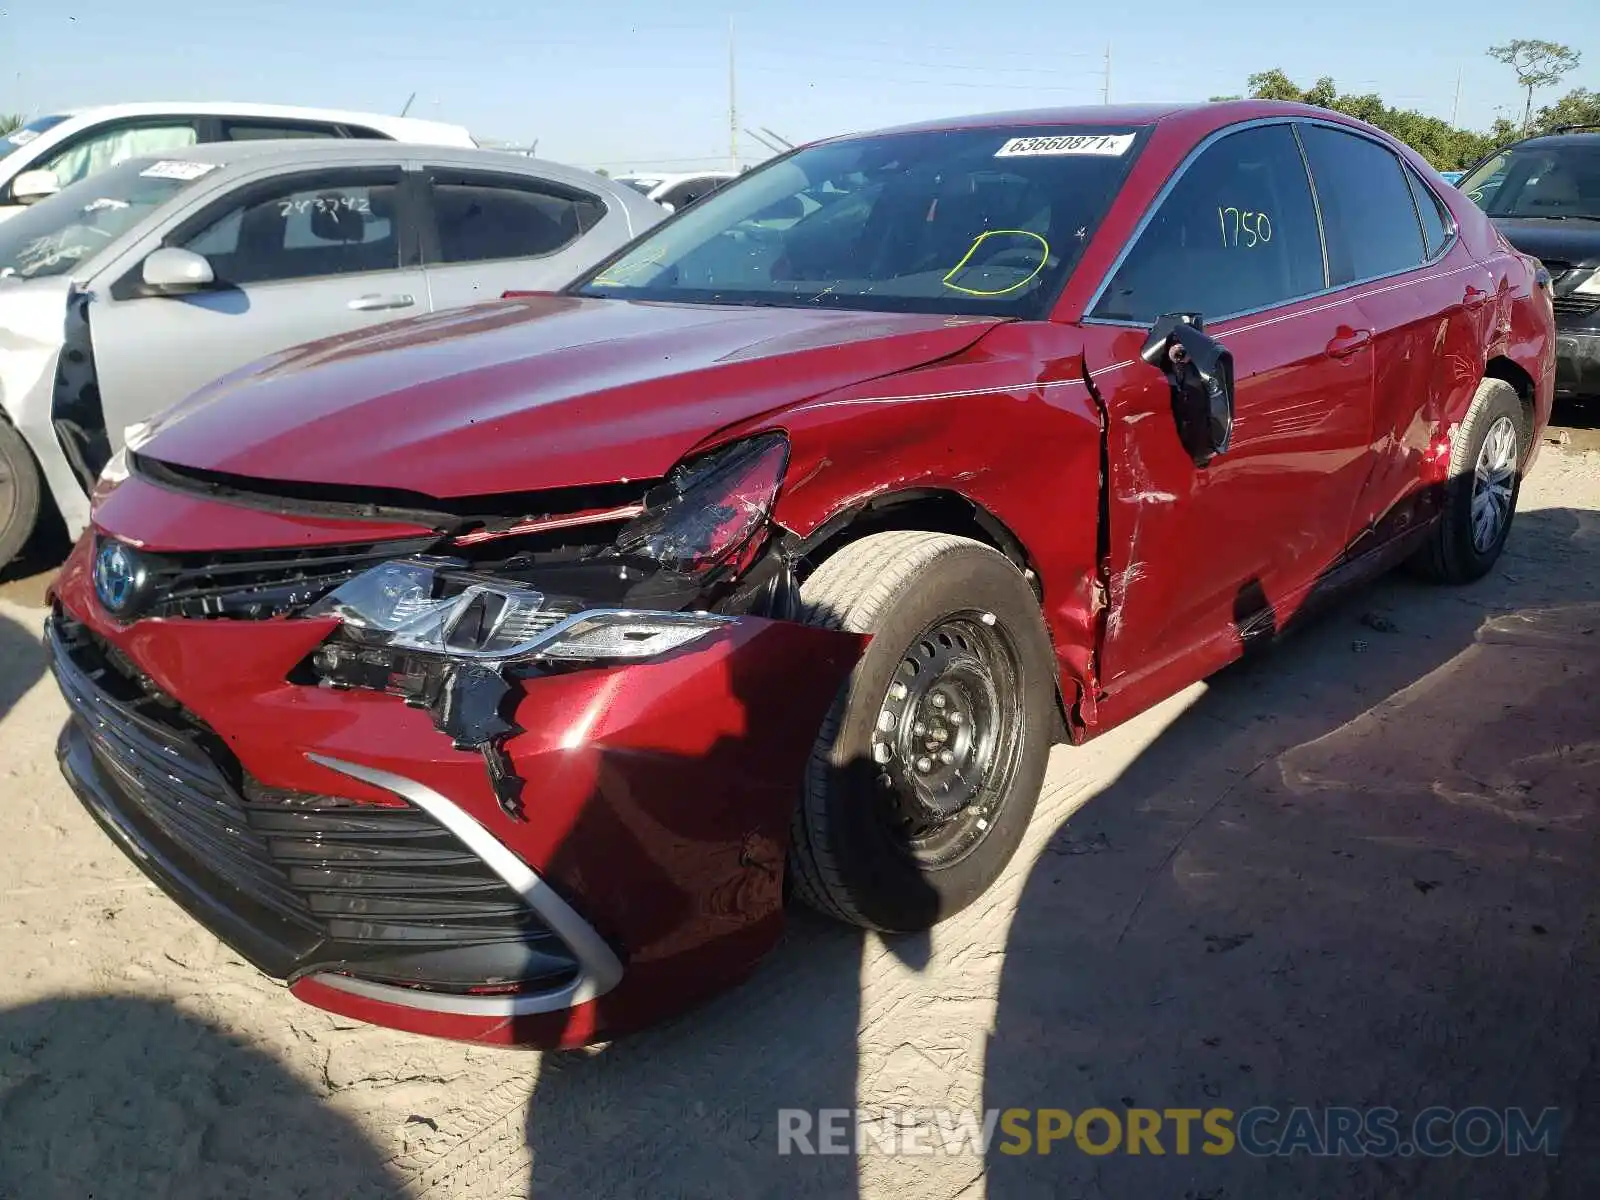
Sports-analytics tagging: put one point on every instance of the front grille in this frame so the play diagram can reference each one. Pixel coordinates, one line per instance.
(1575, 306)
(254, 585)
(317, 883)
(1558, 270)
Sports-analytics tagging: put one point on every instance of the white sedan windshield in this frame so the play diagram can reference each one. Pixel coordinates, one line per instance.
(55, 235)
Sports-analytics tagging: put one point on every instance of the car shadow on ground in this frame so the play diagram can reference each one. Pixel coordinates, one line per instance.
(1356, 870)
(22, 661)
(117, 1096)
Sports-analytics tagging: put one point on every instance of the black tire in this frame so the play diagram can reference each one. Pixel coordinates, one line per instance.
(1453, 553)
(935, 605)
(19, 493)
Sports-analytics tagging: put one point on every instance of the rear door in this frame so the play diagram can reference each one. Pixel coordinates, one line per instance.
(1203, 558)
(1388, 236)
(297, 257)
(489, 232)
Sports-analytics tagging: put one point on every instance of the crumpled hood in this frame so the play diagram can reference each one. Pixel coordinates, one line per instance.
(552, 391)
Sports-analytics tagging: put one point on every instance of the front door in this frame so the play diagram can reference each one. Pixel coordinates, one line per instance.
(1204, 558)
(297, 257)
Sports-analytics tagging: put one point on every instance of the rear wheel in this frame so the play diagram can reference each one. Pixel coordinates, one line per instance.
(1480, 499)
(926, 771)
(19, 493)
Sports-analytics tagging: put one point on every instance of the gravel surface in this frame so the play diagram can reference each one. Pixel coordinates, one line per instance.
(1359, 870)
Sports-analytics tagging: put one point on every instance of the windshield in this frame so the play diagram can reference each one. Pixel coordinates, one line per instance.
(985, 221)
(23, 134)
(55, 235)
(643, 186)
(1550, 181)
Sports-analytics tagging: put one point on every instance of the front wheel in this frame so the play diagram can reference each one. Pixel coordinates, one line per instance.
(19, 493)
(926, 771)
(1480, 497)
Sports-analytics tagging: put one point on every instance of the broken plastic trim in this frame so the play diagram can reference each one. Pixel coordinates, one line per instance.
(443, 639)
(398, 604)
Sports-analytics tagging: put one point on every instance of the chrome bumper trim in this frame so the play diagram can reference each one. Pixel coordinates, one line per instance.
(600, 969)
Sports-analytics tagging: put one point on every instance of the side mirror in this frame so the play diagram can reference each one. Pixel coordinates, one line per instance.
(173, 271)
(671, 208)
(1200, 372)
(30, 187)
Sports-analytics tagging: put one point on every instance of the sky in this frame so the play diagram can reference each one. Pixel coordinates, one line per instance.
(629, 84)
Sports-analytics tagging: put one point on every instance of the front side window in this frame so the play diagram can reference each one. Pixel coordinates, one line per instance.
(93, 152)
(1557, 182)
(332, 223)
(23, 135)
(1368, 214)
(1237, 232)
(986, 221)
(88, 217)
(481, 218)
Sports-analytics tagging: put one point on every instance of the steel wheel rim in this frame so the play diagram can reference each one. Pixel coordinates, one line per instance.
(948, 737)
(1494, 484)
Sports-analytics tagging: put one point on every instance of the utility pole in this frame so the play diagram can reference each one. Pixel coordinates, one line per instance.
(733, 107)
(1455, 108)
(1105, 91)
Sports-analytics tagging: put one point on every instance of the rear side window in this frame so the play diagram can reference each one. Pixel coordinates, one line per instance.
(483, 217)
(1368, 213)
(1237, 232)
(1435, 217)
(257, 131)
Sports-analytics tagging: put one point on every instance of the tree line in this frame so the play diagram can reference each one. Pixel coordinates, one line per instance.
(1537, 64)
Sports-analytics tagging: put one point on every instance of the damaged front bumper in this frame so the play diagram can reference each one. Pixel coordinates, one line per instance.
(343, 844)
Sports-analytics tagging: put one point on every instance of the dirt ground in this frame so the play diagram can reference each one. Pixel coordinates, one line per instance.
(1360, 870)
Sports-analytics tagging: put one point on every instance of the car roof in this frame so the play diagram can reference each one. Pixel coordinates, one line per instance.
(1576, 136)
(209, 108)
(1212, 114)
(239, 158)
(270, 152)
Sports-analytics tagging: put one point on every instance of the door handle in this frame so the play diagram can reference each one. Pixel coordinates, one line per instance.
(1474, 299)
(377, 303)
(1347, 344)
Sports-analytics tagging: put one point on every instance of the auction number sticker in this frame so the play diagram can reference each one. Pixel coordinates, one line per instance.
(177, 169)
(1111, 145)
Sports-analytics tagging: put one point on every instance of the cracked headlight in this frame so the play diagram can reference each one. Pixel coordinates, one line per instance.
(423, 605)
(709, 511)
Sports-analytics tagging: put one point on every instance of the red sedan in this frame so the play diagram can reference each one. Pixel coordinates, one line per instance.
(495, 674)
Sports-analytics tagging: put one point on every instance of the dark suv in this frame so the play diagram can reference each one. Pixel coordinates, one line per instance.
(1544, 196)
